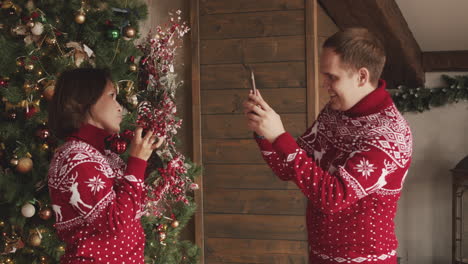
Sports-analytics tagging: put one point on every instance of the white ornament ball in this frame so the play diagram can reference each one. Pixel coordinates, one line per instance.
(28, 210)
(38, 29)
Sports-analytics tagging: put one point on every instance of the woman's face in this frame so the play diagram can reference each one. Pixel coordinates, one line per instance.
(106, 113)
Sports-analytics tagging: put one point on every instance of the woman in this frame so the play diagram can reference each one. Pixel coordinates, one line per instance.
(96, 197)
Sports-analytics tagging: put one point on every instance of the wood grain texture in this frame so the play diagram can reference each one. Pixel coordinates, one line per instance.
(253, 50)
(226, 250)
(250, 25)
(209, 7)
(196, 125)
(268, 202)
(256, 226)
(235, 126)
(445, 61)
(244, 176)
(229, 101)
(267, 75)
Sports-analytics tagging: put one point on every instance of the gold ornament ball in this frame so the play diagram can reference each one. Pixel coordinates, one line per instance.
(35, 240)
(129, 32)
(133, 67)
(45, 214)
(175, 224)
(29, 67)
(49, 92)
(80, 18)
(25, 165)
(61, 249)
(2, 223)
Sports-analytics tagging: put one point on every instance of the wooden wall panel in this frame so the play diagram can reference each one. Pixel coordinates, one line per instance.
(252, 50)
(275, 202)
(243, 176)
(227, 250)
(234, 126)
(250, 215)
(229, 101)
(248, 25)
(210, 7)
(231, 151)
(281, 227)
(267, 75)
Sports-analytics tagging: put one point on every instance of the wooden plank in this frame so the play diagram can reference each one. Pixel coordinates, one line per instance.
(243, 177)
(209, 7)
(231, 151)
(230, 101)
(225, 250)
(267, 75)
(266, 202)
(256, 226)
(196, 125)
(384, 18)
(266, 259)
(445, 60)
(236, 250)
(251, 50)
(235, 126)
(312, 61)
(248, 25)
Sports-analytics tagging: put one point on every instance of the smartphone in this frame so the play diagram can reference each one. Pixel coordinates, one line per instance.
(254, 86)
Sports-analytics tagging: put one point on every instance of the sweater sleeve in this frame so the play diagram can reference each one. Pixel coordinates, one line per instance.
(96, 193)
(362, 174)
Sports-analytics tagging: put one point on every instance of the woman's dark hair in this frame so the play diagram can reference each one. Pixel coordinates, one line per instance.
(75, 92)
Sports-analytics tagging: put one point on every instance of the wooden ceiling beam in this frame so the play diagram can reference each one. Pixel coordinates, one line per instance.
(445, 61)
(384, 18)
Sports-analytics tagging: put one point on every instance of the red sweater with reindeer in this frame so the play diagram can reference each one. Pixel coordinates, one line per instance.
(97, 198)
(351, 166)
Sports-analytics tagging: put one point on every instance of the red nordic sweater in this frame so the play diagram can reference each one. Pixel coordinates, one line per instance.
(97, 201)
(351, 166)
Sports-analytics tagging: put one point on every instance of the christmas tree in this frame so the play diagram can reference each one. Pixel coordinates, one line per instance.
(40, 39)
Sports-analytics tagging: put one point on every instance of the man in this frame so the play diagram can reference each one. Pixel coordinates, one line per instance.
(352, 162)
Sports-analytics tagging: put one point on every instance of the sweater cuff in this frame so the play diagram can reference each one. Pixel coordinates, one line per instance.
(136, 167)
(263, 144)
(285, 144)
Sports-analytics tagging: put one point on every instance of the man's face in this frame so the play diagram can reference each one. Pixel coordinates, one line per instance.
(341, 82)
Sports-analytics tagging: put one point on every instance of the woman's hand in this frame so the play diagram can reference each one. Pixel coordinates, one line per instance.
(142, 147)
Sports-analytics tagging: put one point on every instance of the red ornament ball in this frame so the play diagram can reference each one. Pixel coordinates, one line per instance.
(43, 133)
(118, 145)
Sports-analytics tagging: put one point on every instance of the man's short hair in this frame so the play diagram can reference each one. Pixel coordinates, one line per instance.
(357, 48)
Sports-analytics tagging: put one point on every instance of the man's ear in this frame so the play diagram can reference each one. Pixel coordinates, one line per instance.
(363, 76)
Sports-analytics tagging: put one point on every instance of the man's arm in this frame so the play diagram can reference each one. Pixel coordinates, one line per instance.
(363, 174)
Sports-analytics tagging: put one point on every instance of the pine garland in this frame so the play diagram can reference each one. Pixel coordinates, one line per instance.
(422, 99)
